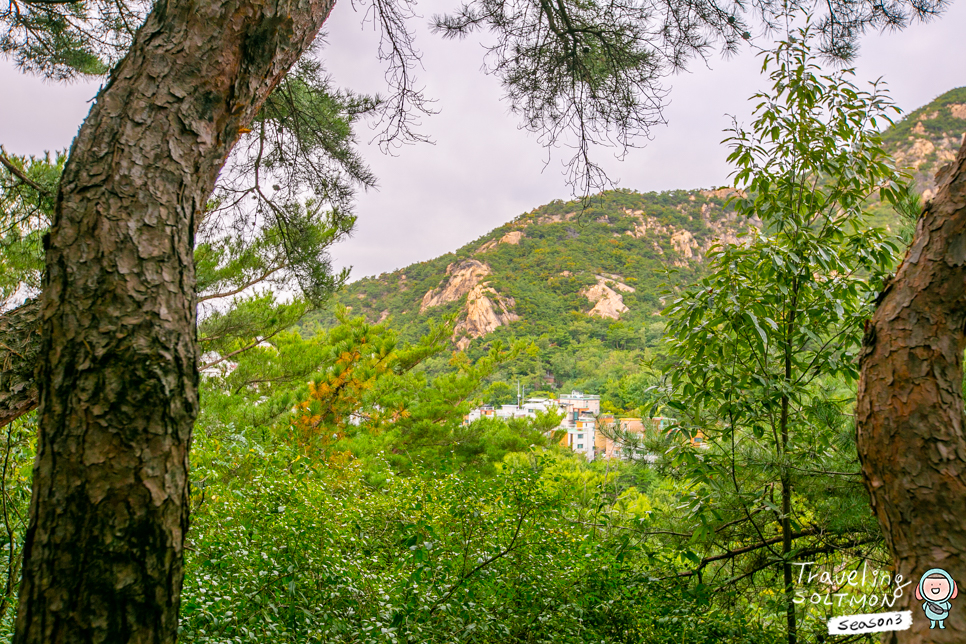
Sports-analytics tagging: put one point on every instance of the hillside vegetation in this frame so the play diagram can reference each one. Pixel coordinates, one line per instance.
(586, 282)
(928, 138)
(582, 281)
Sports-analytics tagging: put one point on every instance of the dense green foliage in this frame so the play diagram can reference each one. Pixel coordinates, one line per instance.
(358, 390)
(27, 191)
(17, 447)
(369, 512)
(293, 552)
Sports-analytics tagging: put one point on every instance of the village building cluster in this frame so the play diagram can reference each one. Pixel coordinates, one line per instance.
(584, 429)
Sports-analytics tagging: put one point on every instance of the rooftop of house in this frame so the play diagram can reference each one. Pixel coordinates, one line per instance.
(577, 395)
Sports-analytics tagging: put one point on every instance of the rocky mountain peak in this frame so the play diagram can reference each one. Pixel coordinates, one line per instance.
(485, 309)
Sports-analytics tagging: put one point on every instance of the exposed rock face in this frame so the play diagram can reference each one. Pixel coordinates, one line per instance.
(513, 237)
(916, 155)
(490, 245)
(725, 226)
(647, 223)
(556, 219)
(607, 302)
(485, 311)
(924, 156)
(613, 281)
(463, 278)
(926, 149)
(683, 242)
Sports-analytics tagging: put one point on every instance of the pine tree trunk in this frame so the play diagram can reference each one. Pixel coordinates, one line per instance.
(117, 365)
(909, 415)
(19, 347)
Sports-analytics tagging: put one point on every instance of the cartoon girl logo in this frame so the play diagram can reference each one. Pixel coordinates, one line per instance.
(936, 589)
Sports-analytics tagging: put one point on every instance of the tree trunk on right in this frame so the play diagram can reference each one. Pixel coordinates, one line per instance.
(909, 416)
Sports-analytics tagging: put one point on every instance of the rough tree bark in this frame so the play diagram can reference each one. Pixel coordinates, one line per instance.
(910, 407)
(19, 348)
(117, 366)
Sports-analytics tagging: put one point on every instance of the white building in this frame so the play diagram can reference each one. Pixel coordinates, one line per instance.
(541, 404)
(582, 434)
(505, 412)
(485, 411)
(512, 411)
(580, 418)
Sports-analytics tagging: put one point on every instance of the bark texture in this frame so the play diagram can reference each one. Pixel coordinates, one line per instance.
(910, 408)
(19, 349)
(117, 367)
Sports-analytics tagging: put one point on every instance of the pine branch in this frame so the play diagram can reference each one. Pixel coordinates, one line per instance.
(17, 172)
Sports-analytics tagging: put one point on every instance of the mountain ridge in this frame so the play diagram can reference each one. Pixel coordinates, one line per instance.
(595, 270)
(598, 260)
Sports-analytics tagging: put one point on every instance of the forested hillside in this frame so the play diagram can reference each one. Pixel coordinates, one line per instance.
(928, 138)
(584, 281)
(542, 264)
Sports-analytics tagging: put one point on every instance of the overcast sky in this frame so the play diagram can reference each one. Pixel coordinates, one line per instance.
(482, 170)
